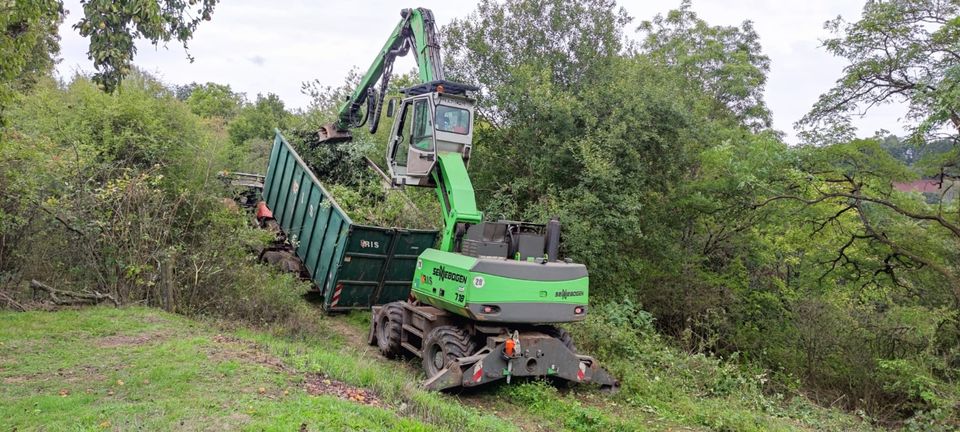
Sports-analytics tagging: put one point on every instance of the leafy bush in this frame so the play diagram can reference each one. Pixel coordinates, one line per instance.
(111, 190)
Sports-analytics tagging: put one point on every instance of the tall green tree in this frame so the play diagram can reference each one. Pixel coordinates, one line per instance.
(214, 100)
(257, 120)
(29, 39)
(28, 44)
(726, 62)
(574, 125)
(899, 51)
(500, 45)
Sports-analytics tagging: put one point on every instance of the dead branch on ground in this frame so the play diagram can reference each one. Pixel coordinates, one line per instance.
(62, 297)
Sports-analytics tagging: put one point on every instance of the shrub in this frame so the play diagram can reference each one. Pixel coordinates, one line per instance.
(109, 191)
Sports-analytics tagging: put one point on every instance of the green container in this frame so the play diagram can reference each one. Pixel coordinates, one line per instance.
(353, 266)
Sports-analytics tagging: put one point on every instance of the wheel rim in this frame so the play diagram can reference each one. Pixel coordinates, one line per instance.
(382, 332)
(438, 358)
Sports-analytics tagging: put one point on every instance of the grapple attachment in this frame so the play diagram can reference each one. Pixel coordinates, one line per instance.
(532, 354)
(329, 134)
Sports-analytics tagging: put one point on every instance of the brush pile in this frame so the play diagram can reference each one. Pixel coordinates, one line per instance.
(361, 192)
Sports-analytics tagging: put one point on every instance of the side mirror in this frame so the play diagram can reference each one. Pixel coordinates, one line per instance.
(390, 106)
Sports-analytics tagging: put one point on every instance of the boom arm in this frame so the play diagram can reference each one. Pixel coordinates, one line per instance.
(415, 30)
(457, 200)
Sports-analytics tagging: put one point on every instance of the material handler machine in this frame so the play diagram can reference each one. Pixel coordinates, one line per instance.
(484, 303)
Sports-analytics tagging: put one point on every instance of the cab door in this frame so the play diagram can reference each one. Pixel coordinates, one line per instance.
(422, 151)
(399, 140)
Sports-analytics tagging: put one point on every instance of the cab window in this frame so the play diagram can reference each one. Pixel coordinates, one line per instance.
(421, 136)
(399, 151)
(453, 119)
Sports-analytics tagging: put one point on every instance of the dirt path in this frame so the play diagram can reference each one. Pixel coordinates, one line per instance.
(482, 400)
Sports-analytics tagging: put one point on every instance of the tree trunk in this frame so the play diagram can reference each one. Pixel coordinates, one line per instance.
(167, 283)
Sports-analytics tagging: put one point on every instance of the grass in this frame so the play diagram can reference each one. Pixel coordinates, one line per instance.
(123, 369)
(136, 368)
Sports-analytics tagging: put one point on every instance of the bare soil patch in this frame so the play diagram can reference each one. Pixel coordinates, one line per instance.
(85, 374)
(316, 384)
(241, 350)
(129, 340)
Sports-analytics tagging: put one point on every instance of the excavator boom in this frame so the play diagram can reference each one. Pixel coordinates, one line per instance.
(415, 31)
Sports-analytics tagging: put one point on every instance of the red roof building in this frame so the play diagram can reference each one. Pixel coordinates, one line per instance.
(922, 186)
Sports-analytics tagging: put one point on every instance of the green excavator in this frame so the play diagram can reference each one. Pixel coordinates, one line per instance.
(484, 304)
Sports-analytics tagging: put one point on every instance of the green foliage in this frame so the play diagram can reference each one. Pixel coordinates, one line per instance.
(724, 62)
(673, 200)
(142, 129)
(551, 45)
(214, 100)
(874, 277)
(28, 45)
(902, 50)
(115, 26)
(109, 188)
(675, 385)
(258, 120)
(358, 190)
(370, 204)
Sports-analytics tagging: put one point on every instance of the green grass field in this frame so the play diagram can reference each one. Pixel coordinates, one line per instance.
(110, 369)
(141, 369)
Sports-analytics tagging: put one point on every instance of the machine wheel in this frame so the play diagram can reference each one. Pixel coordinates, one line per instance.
(561, 334)
(443, 345)
(389, 324)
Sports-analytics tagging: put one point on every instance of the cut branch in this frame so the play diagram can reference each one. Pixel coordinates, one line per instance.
(73, 297)
(11, 302)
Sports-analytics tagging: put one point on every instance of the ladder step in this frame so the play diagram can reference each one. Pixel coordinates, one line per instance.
(416, 332)
(410, 348)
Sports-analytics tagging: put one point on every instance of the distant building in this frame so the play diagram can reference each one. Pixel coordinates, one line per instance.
(923, 186)
(932, 189)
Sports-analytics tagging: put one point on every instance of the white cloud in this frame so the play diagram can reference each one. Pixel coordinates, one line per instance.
(261, 47)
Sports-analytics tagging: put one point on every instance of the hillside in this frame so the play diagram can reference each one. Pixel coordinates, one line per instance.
(738, 279)
(138, 368)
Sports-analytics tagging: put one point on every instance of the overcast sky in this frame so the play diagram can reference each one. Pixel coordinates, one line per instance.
(261, 47)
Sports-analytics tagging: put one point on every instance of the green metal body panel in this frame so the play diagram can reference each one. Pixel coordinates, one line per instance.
(353, 266)
(446, 280)
(455, 192)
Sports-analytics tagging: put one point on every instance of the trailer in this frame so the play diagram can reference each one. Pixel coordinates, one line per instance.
(352, 266)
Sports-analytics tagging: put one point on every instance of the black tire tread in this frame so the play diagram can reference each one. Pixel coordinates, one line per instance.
(393, 325)
(456, 341)
(559, 333)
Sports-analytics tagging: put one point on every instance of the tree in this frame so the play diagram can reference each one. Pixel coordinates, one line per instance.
(725, 62)
(258, 120)
(885, 237)
(500, 45)
(114, 26)
(214, 100)
(28, 44)
(899, 51)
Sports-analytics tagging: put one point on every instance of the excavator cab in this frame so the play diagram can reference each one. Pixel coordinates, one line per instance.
(432, 118)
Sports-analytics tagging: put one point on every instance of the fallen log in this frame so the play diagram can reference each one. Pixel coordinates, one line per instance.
(74, 297)
(11, 302)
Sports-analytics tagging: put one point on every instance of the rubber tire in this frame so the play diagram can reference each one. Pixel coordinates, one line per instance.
(452, 342)
(561, 334)
(389, 325)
